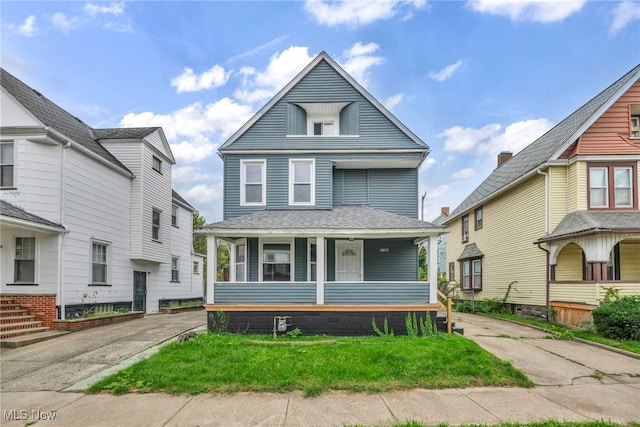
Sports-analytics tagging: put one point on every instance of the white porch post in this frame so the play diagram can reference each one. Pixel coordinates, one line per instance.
(212, 266)
(232, 262)
(320, 267)
(432, 262)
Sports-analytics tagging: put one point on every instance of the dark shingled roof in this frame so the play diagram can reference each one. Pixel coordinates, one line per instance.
(541, 150)
(591, 222)
(11, 211)
(179, 198)
(54, 116)
(338, 218)
(124, 133)
(470, 251)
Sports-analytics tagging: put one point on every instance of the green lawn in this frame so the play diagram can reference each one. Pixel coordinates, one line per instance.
(227, 363)
(562, 332)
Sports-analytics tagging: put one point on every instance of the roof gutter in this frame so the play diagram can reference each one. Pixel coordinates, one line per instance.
(585, 233)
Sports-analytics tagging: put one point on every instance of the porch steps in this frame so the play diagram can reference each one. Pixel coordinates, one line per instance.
(441, 323)
(16, 321)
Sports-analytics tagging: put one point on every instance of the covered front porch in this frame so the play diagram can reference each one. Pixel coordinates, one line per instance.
(322, 265)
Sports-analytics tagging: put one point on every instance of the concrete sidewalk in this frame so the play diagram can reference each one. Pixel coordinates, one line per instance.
(574, 381)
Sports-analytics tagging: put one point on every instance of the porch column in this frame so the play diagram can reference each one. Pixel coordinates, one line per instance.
(320, 268)
(212, 266)
(432, 262)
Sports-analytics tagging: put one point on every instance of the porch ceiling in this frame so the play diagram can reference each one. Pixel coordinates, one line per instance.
(584, 223)
(348, 221)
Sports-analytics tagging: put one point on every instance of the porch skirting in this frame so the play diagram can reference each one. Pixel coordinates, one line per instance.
(312, 319)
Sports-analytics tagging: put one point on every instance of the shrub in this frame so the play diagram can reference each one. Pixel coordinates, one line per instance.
(619, 319)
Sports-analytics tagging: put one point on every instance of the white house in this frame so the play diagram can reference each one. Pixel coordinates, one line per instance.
(89, 220)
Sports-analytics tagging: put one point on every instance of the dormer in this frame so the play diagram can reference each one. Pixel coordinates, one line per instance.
(323, 119)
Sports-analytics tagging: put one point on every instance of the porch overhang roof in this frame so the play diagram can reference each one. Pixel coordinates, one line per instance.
(587, 223)
(14, 216)
(341, 221)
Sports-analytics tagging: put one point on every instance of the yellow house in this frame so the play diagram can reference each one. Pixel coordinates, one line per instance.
(559, 221)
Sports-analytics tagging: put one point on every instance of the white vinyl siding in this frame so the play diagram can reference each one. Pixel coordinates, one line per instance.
(253, 182)
(302, 181)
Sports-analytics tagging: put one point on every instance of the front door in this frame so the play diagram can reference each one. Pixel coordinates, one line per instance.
(348, 261)
(140, 291)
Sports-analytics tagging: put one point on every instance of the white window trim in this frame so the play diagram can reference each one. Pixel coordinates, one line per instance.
(606, 187)
(243, 163)
(292, 260)
(153, 164)
(12, 164)
(311, 241)
(36, 261)
(312, 198)
(195, 265)
(177, 209)
(630, 188)
(235, 261)
(337, 256)
(109, 261)
(177, 258)
(159, 239)
(635, 127)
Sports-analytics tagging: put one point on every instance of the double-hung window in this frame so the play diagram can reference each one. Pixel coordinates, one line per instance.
(478, 218)
(313, 262)
(276, 262)
(241, 257)
(302, 181)
(635, 121)
(253, 187)
(612, 186)
(99, 263)
(471, 274)
(25, 260)
(156, 224)
(465, 228)
(156, 164)
(6, 165)
(175, 269)
(174, 215)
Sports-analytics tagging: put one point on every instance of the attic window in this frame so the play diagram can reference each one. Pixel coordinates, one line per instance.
(635, 121)
(323, 128)
(157, 164)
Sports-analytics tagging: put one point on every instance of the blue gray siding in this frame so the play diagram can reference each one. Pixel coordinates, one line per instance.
(252, 257)
(350, 119)
(394, 191)
(323, 84)
(350, 187)
(376, 293)
(400, 263)
(264, 292)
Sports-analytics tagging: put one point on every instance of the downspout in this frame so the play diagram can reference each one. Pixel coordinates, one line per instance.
(546, 232)
(61, 240)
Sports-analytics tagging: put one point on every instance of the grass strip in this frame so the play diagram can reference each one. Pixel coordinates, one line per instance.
(227, 364)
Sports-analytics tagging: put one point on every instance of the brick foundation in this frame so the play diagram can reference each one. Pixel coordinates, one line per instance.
(43, 306)
(81, 324)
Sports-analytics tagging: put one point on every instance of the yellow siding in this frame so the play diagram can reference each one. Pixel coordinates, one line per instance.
(511, 224)
(558, 198)
(569, 266)
(577, 180)
(630, 260)
(585, 293)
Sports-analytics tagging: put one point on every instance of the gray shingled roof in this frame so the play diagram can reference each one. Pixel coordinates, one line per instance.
(590, 222)
(50, 114)
(11, 211)
(338, 218)
(470, 251)
(179, 198)
(542, 149)
(124, 133)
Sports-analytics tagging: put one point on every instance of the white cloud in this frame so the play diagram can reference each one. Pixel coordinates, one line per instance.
(221, 118)
(428, 163)
(544, 11)
(392, 101)
(357, 13)
(624, 13)
(516, 136)
(216, 76)
(114, 8)
(203, 193)
(64, 24)
(256, 50)
(463, 139)
(359, 58)
(27, 28)
(193, 151)
(182, 175)
(464, 173)
(446, 72)
(435, 192)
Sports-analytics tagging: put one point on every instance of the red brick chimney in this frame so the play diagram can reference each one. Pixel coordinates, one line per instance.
(503, 157)
(444, 210)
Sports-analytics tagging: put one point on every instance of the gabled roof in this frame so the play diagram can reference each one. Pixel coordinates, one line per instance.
(581, 223)
(323, 56)
(141, 133)
(52, 115)
(470, 251)
(549, 146)
(181, 200)
(349, 219)
(11, 211)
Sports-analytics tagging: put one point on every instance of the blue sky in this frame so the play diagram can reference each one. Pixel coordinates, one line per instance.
(469, 78)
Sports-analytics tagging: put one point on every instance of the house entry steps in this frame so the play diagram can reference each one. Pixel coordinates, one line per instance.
(16, 320)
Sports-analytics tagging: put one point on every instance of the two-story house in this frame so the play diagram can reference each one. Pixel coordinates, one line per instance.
(89, 219)
(321, 213)
(560, 219)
